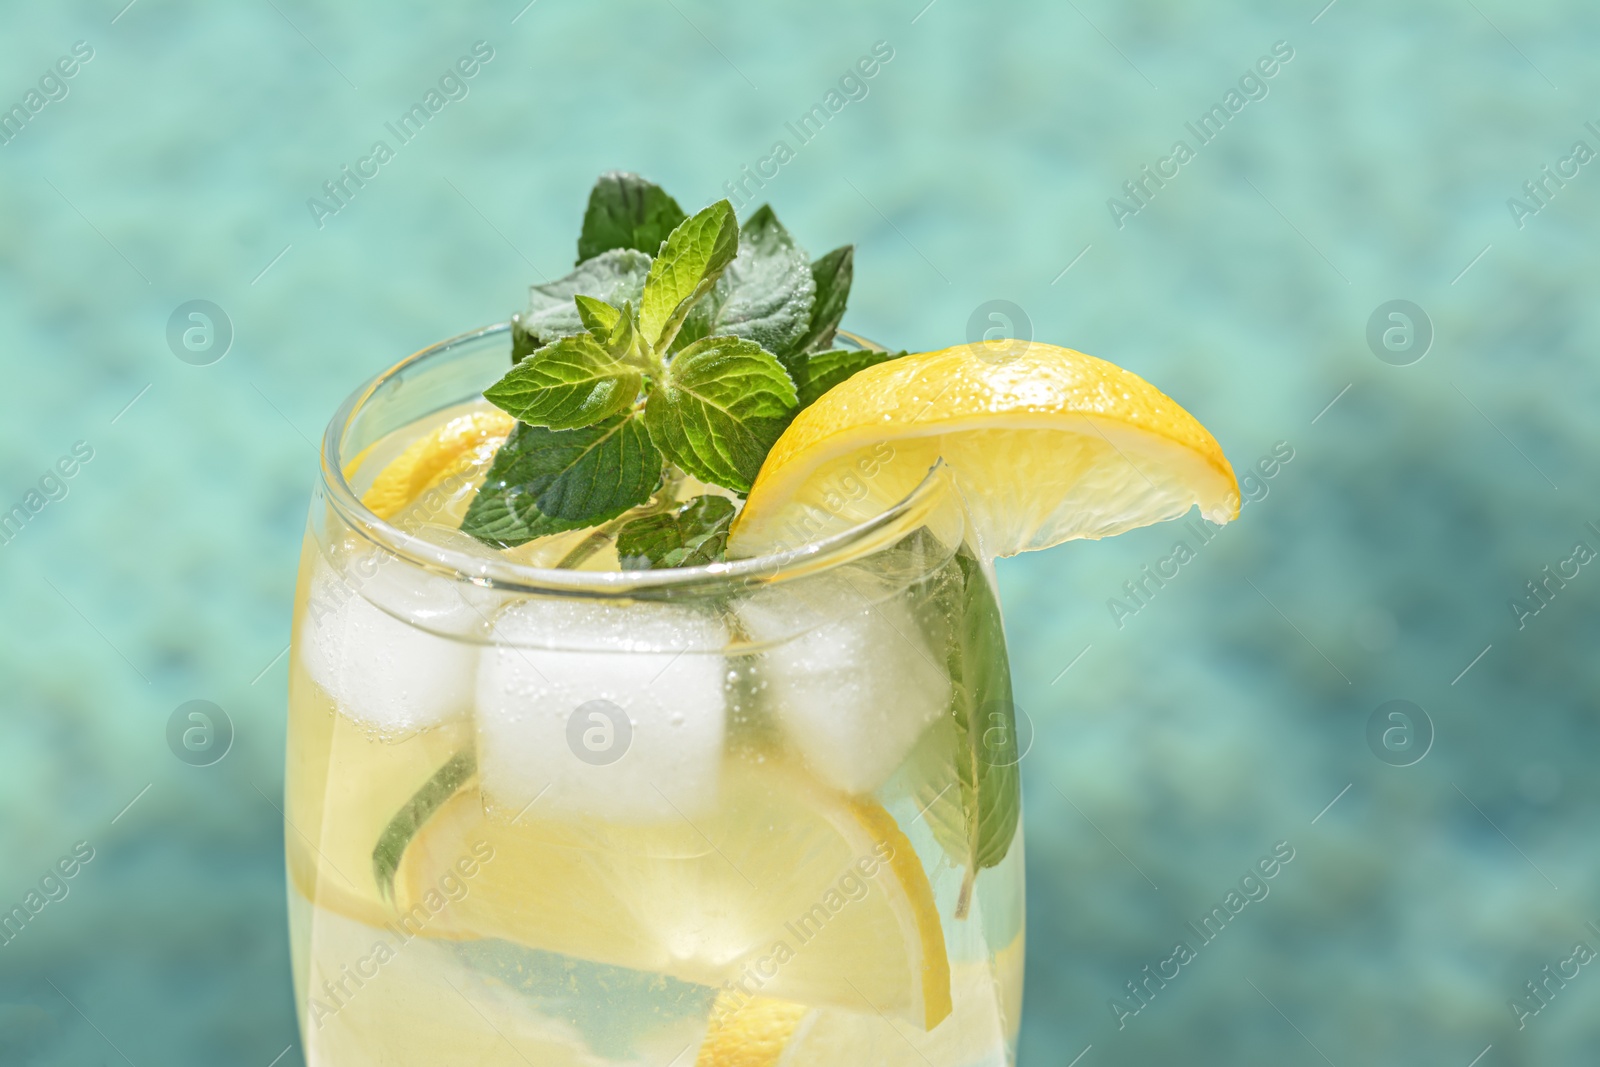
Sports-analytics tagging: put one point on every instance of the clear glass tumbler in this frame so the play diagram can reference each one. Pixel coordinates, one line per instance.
(763, 811)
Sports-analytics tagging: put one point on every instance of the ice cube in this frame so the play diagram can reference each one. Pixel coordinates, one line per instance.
(850, 676)
(382, 637)
(608, 710)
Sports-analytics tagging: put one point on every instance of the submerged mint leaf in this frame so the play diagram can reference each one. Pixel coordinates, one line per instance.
(627, 211)
(984, 716)
(689, 264)
(766, 293)
(613, 277)
(690, 536)
(568, 383)
(545, 481)
(832, 275)
(820, 371)
(723, 403)
(440, 787)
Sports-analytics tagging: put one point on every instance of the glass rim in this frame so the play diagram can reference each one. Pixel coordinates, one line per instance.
(808, 558)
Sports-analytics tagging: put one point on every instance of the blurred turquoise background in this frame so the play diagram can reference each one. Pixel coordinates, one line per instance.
(1174, 746)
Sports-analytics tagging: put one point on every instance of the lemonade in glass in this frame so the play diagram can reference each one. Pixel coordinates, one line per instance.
(649, 700)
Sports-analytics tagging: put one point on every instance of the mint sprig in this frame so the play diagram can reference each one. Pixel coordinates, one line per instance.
(688, 340)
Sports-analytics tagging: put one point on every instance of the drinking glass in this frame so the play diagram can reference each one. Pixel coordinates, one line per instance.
(542, 815)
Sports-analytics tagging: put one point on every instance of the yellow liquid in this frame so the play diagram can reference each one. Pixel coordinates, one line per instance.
(623, 931)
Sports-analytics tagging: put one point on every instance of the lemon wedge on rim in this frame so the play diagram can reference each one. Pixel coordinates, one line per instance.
(1045, 444)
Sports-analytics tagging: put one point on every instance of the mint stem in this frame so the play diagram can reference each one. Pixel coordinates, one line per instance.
(964, 899)
(664, 499)
(586, 548)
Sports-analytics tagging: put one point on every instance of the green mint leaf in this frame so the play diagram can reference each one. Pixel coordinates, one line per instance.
(626, 211)
(547, 481)
(723, 403)
(624, 340)
(621, 341)
(568, 383)
(440, 787)
(598, 317)
(946, 816)
(767, 291)
(689, 264)
(613, 277)
(820, 371)
(832, 275)
(690, 536)
(985, 721)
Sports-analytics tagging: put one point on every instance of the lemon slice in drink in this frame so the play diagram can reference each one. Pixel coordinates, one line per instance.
(752, 1034)
(765, 1032)
(1045, 445)
(789, 890)
(461, 443)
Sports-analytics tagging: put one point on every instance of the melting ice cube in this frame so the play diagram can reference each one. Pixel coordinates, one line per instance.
(381, 637)
(609, 710)
(850, 677)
